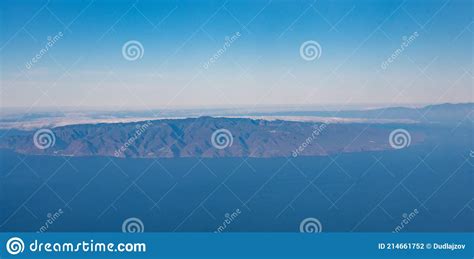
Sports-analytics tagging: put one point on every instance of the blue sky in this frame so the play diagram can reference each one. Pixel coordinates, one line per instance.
(263, 66)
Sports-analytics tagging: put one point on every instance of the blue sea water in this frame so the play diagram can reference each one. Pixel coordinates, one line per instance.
(365, 191)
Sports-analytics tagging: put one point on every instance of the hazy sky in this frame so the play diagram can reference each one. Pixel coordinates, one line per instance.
(234, 53)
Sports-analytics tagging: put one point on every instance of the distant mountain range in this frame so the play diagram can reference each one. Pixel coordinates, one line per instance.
(231, 137)
(439, 113)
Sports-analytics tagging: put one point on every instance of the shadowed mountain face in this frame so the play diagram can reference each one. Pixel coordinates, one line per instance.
(206, 137)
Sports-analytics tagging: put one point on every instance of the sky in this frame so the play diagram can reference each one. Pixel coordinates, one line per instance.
(234, 53)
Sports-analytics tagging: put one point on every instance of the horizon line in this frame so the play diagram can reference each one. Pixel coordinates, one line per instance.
(226, 107)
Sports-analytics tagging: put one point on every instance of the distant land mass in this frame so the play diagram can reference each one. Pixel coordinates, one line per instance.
(439, 113)
(240, 137)
(194, 138)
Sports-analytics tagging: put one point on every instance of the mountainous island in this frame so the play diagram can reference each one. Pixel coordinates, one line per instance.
(227, 137)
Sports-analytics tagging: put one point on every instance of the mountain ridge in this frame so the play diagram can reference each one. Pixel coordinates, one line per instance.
(197, 137)
(194, 137)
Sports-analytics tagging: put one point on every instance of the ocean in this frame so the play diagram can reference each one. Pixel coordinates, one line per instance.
(422, 188)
